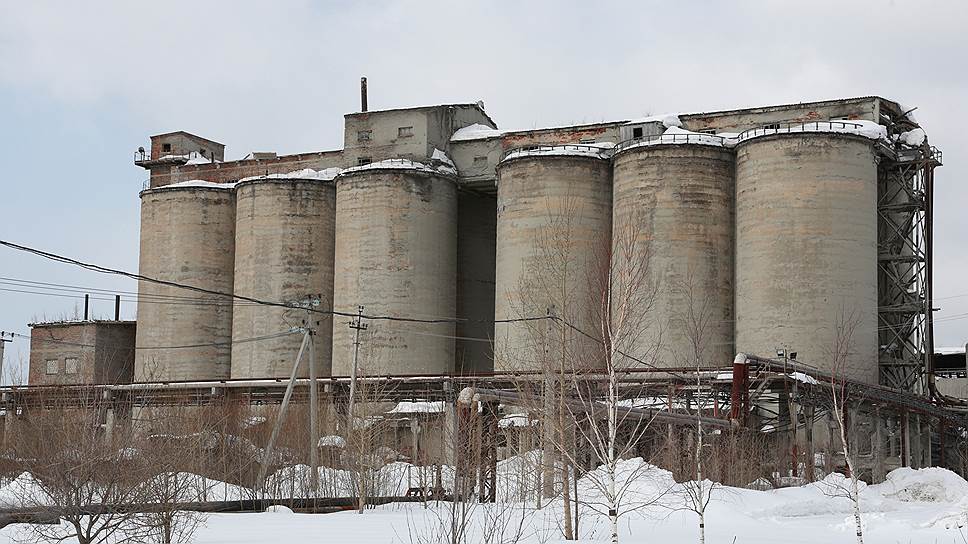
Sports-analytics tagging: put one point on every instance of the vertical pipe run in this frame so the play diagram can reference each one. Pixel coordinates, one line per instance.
(87, 303)
(362, 94)
(117, 307)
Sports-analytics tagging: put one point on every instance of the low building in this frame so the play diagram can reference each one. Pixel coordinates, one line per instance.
(81, 352)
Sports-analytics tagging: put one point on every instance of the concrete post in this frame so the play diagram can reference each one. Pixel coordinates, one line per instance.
(450, 424)
(926, 457)
(808, 414)
(905, 439)
(916, 442)
(879, 470)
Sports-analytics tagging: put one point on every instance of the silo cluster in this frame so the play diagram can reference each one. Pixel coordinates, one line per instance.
(759, 242)
(705, 245)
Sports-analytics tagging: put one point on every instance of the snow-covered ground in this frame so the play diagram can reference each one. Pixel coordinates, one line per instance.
(913, 506)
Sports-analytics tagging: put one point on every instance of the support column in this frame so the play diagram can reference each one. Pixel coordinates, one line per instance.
(927, 459)
(808, 415)
(905, 439)
(879, 470)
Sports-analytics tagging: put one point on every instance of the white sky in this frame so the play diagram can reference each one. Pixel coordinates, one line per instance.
(82, 85)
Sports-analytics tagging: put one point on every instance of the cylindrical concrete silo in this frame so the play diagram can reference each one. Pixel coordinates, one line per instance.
(187, 237)
(673, 222)
(806, 247)
(396, 255)
(284, 244)
(553, 227)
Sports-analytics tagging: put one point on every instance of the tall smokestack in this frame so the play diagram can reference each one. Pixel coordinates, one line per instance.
(87, 299)
(362, 94)
(117, 307)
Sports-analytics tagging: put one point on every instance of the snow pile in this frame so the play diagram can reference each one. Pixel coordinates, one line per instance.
(198, 158)
(24, 490)
(332, 441)
(676, 135)
(434, 407)
(913, 138)
(326, 174)
(924, 485)
(476, 131)
(402, 164)
(668, 120)
(867, 129)
(278, 509)
(804, 378)
(596, 150)
(439, 155)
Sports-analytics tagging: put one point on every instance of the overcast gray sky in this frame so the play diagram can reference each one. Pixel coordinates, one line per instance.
(82, 85)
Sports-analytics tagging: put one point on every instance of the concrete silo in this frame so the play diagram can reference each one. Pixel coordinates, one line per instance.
(806, 246)
(284, 244)
(187, 237)
(673, 222)
(396, 254)
(553, 227)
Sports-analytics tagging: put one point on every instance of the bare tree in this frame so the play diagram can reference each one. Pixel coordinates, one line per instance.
(80, 473)
(839, 355)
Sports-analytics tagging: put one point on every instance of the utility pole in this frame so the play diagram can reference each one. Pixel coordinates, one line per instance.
(4, 338)
(308, 331)
(358, 325)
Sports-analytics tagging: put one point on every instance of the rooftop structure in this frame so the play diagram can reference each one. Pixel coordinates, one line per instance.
(81, 352)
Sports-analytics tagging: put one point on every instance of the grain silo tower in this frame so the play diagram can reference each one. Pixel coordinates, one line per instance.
(187, 237)
(396, 255)
(284, 240)
(806, 245)
(673, 216)
(554, 221)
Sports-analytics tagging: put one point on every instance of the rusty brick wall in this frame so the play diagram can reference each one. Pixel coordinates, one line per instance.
(231, 171)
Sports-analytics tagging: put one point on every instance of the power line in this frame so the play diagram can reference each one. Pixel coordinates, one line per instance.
(143, 348)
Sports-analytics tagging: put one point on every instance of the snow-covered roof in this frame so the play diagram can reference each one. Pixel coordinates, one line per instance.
(427, 407)
(402, 164)
(599, 150)
(325, 174)
(867, 129)
(196, 184)
(476, 131)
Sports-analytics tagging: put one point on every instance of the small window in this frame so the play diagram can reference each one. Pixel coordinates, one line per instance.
(70, 365)
(52, 366)
(363, 161)
(480, 161)
(404, 132)
(637, 132)
(364, 135)
(166, 148)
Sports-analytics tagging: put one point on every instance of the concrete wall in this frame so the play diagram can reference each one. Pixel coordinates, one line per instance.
(396, 254)
(476, 237)
(188, 237)
(673, 209)
(806, 247)
(740, 120)
(553, 223)
(284, 243)
(114, 356)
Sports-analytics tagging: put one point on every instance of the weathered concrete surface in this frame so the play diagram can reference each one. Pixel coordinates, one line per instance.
(674, 203)
(285, 237)
(806, 247)
(476, 238)
(553, 225)
(396, 254)
(188, 237)
(104, 351)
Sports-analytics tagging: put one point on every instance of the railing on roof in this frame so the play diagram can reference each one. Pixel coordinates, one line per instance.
(675, 138)
(798, 126)
(577, 149)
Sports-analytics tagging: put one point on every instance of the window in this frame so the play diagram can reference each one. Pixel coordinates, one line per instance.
(480, 161)
(364, 135)
(404, 132)
(166, 148)
(70, 365)
(52, 366)
(363, 161)
(637, 132)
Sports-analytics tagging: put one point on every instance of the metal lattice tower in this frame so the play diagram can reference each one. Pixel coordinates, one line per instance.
(905, 337)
